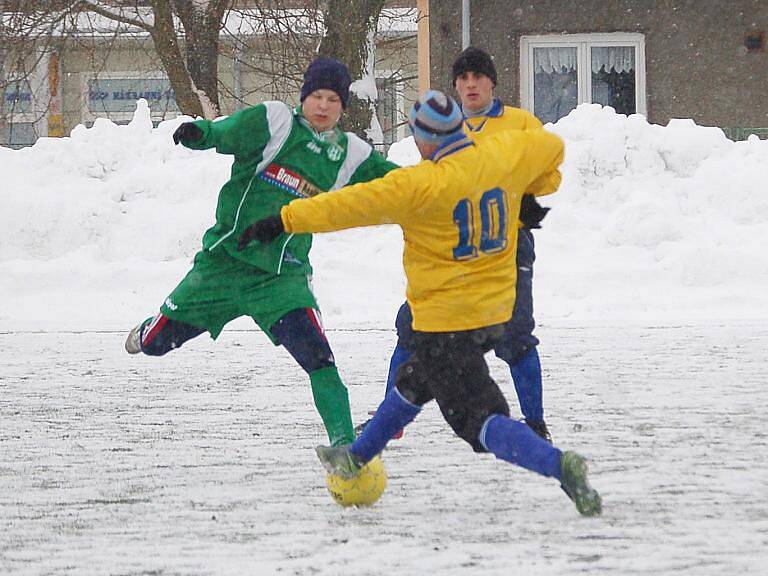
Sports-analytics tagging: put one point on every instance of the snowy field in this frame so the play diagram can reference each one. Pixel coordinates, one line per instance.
(650, 290)
(202, 463)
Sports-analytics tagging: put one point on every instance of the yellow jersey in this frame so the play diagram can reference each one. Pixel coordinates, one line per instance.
(458, 212)
(500, 118)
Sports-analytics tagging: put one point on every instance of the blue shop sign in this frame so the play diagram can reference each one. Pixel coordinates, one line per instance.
(17, 98)
(120, 94)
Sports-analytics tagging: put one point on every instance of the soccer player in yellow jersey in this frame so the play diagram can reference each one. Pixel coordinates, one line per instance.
(474, 77)
(458, 210)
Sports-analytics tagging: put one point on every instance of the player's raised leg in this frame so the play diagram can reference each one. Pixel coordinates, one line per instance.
(158, 335)
(301, 333)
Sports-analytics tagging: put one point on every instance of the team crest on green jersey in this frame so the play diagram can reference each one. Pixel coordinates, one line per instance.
(334, 152)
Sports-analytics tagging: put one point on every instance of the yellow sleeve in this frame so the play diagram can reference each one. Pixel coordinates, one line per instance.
(545, 154)
(520, 119)
(545, 184)
(387, 200)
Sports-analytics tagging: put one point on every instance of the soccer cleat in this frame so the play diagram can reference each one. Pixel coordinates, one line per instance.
(338, 460)
(133, 342)
(573, 480)
(360, 427)
(540, 427)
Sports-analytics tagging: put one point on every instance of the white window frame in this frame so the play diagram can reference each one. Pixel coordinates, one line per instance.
(582, 43)
(396, 77)
(89, 116)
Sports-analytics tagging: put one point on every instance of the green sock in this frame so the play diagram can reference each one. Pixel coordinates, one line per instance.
(332, 402)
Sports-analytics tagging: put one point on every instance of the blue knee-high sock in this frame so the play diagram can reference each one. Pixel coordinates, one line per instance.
(515, 442)
(392, 415)
(399, 356)
(526, 375)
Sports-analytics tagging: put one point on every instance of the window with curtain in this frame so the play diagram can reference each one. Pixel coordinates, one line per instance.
(613, 77)
(560, 72)
(555, 81)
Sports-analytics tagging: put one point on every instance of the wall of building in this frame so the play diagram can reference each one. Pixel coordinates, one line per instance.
(697, 65)
(86, 65)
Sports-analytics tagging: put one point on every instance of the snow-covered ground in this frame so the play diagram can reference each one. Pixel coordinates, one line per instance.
(651, 297)
(201, 462)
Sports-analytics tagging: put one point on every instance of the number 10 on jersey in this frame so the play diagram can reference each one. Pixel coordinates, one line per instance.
(493, 225)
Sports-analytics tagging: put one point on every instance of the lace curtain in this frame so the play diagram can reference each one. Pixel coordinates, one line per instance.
(618, 58)
(554, 59)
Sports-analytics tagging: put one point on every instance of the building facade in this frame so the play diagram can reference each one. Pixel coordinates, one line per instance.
(79, 79)
(699, 59)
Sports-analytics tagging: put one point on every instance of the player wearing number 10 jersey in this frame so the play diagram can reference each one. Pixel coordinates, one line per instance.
(474, 78)
(458, 210)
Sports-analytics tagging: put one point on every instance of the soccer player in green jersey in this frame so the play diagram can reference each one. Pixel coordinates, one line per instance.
(279, 154)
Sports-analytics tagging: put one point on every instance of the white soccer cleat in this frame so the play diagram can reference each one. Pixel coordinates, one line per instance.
(133, 342)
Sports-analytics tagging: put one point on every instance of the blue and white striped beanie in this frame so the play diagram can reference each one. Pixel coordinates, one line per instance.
(435, 117)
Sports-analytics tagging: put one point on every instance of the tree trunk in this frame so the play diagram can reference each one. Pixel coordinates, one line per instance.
(202, 28)
(168, 49)
(348, 24)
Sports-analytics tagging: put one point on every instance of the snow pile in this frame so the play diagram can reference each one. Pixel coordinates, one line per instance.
(655, 223)
(651, 225)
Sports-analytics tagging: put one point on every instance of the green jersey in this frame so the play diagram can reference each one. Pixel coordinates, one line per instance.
(278, 157)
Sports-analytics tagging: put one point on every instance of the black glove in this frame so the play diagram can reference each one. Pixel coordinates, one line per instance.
(264, 231)
(531, 212)
(187, 132)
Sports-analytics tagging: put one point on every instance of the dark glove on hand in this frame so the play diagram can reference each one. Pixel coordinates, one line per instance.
(187, 132)
(531, 212)
(264, 231)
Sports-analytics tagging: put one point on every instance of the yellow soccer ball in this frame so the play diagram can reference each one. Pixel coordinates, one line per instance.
(362, 490)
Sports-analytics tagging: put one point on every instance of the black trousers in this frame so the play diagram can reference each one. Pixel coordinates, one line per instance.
(450, 368)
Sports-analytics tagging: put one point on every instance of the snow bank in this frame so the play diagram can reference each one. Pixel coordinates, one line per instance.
(651, 225)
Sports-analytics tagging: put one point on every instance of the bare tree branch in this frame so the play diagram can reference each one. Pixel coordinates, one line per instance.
(117, 17)
(266, 44)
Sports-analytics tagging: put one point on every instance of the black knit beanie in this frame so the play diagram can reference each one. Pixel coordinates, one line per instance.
(474, 60)
(329, 74)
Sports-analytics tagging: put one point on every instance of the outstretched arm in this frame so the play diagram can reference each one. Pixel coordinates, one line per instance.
(387, 200)
(244, 132)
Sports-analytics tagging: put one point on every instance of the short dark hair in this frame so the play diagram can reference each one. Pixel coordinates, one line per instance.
(474, 60)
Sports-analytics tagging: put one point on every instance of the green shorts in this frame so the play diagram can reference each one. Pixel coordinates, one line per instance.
(220, 288)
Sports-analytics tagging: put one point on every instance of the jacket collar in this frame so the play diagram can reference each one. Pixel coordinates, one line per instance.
(331, 135)
(494, 110)
(452, 144)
